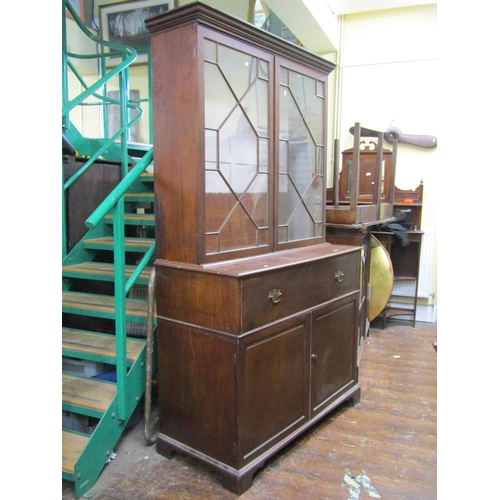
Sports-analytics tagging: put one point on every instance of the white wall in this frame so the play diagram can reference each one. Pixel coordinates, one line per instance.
(388, 76)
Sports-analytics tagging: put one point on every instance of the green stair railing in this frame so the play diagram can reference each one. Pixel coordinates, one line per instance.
(95, 149)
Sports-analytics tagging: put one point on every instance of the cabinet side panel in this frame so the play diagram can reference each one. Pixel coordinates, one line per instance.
(275, 396)
(334, 342)
(196, 382)
(178, 140)
(203, 299)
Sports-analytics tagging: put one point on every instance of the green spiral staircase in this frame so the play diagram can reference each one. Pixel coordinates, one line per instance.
(108, 306)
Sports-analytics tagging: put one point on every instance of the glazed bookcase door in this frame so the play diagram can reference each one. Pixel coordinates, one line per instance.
(237, 148)
(301, 152)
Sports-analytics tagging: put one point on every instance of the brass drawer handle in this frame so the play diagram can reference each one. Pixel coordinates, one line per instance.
(339, 276)
(275, 296)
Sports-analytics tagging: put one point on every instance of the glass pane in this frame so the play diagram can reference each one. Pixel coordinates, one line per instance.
(314, 119)
(210, 50)
(211, 148)
(263, 237)
(303, 89)
(212, 242)
(255, 104)
(239, 68)
(238, 231)
(290, 116)
(238, 151)
(283, 234)
(263, 69)
(301, 225)
(255, 201)
(218, 201)
(288, 199)
(283, 156)
(320, 89)
(319, 161)
(263, 156)
(302, 159)
(314, 199)
(284, 76)
(219, 100)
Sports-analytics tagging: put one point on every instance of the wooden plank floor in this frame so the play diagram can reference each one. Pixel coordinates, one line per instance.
(390, 436)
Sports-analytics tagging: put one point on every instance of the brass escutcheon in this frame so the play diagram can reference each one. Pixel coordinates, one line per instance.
(275, 296)
(339, 276)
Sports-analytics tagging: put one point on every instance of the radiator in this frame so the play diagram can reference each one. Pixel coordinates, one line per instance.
(406, 288)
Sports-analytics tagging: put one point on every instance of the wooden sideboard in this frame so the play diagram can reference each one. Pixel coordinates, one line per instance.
(253, 353)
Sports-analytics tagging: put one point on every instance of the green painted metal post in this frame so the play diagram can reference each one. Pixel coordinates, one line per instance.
(124, 118)
(120, 308)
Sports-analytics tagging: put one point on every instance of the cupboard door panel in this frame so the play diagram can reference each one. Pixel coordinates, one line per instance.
(275, 374)
(197, 392)
(333, 351)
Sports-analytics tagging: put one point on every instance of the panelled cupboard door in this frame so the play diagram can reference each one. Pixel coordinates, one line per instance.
(274, 383)
(333, 352)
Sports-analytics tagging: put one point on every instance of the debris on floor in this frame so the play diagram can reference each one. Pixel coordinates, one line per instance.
(355, 484)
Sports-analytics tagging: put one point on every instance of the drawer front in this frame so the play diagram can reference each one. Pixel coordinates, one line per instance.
(271, 296)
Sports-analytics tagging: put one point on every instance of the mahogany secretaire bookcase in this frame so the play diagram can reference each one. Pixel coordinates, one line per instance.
(257, 314)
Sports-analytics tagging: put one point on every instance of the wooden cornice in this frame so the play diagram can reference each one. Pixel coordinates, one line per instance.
(204, 15)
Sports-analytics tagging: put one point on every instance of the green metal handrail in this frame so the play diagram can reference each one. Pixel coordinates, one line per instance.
(114, 202)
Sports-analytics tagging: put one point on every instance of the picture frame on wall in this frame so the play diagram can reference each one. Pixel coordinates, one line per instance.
(123, 22)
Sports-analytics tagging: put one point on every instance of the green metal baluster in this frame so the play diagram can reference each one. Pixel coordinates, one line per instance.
(120, 308)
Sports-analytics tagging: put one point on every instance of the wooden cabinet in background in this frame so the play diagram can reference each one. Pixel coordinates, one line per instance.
(366, 181)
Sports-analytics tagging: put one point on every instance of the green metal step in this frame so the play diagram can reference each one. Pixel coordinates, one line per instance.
(86, 396)
(107, 243)
(102, 271)
(134, 219)
(140, 197)
(95, 346)
(147, 177)
(103, 306)
(73, 445)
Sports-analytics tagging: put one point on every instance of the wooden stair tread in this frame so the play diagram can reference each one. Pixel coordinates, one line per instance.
(98, 344)
(134, 217)
(103, 303)
(103, 269)
(147, 195)
(87, 392)
(129, 242)
(72, 447)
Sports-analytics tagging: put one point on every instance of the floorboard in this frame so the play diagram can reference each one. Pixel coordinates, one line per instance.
(390, 436)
